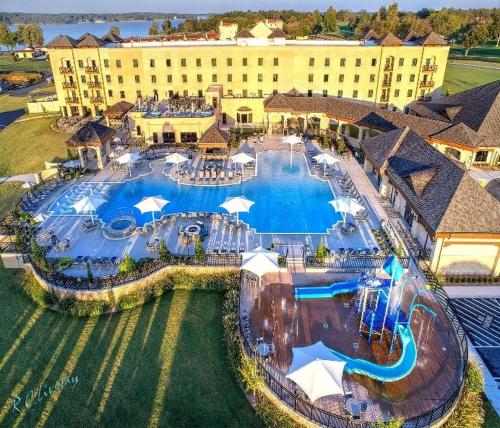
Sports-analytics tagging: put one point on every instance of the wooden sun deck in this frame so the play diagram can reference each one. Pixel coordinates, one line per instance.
(279, 319)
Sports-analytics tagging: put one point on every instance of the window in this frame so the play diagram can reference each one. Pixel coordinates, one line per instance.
(372, 78)
(155, 137)
(481, 156)
(138, 130)
(245, 93)
(245, 62)
(340, 93)
(214, 62)
(355, 94)
(229, 92)
(342, 62)
(168, 137)
(309, 93)
(168, 62)
(137, 78)
(188, 137)
(153, 78)
(170, 93)
(229, 78)
(152, 63)
(275, 77)
(452, 153)
(80, 63)
(200, 93)
(259, 93)
(135, 63)
(374, 62)
(276, 62)
(169, 78)
(410, 93)
(341, 78)
(356, 78)
(260, 62)
(401, 62)
(199, 78)
(310, 78)
(311, 62)
(260, 77)
(185, 93)
(83, 79)
(229, 62)
(138, 94)
(110, 93)
(183, 62)
(214, 78)
(325, 92)
(106, 63)
(412, 77)
(85, 93)
(122, 94)
(275, 91)
(120, 79)
(198, 62)
(327, 62)
(325, 78)
(358, 62)
(370, 93)
(396, 93)
(108, 78)
(118, 63)
(184, 78)
(244, 78)
(414, 62)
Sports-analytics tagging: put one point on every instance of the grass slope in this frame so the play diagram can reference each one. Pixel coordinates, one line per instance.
(160, 365)
(459, 78)
(7, 63)
(488, 50)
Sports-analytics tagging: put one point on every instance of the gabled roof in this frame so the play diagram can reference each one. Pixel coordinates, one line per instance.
(91, 134)
(389, 40)
(432, 39)
(294, 93)
(215, 136)
(277, 33)
(89, 41)
(440, 190)
(244, 33)
(62, 41)
(410, 36)
(118, 109)
(111, 37)
(459, 134)
(370, 35)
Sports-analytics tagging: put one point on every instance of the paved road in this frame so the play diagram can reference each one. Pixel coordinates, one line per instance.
(7, 117)
(487, 67)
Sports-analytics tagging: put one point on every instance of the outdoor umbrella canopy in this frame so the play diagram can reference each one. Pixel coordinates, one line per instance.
(260, 261)
(88, 204)
(128, 159)
(151, 204)
(237, 204)
(71, 164)
(176, 158)
(242, 158)
(291, 140)
(40, 217)
(346, 205)
(317, 370)
(325, 159)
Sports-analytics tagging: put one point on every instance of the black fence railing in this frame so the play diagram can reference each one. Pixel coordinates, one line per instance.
(59, 279)
(351, 262)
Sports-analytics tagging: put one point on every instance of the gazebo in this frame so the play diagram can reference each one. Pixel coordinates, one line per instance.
(117, 111)
(92, 142)
(215, 141)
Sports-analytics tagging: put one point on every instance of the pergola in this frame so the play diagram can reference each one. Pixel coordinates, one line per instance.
(214, 140)
(92, 137)
(117, 112)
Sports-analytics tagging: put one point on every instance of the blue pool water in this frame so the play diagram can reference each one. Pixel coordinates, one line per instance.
(287, 200)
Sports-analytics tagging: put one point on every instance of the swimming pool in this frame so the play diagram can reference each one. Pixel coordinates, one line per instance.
(287, 199)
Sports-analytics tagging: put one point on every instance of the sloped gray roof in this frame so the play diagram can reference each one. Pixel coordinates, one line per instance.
(111, 37)
(245, 33)
(461, 134)
(277, 32)
(62, 41)
(91, 134)
(432, 39)
(370, 35)
(389, 40)
(89, 41)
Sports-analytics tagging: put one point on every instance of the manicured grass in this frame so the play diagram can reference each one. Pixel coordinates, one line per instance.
(160, 365)
(487, 50)
(7, 63)
(491, 419)
(460, 78)
(9, 102)
(9, 195)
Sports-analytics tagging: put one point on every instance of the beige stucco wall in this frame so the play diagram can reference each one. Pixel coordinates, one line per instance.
(43, 106)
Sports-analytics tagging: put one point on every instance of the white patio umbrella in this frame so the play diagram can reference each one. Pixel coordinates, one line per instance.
(260, 261)
(88, 204)
(40, 217)
(346, 205)
(71, 164)
(317, 370)
(176, 158)
(128, 159)
(325, 159)
(291, 140)
(242, 158)
(237, 204)
(151, 204)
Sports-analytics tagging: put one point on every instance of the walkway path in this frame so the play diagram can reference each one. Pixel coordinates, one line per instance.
(30, 178)
(472, 291)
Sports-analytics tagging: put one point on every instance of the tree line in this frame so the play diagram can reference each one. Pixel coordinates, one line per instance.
(25, 34)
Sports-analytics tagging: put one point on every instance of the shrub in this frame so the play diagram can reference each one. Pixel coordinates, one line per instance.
(250, 374)
(392, 423)
(37, 293)
(163, 251)
(321, 252)
(127, 265)
(82, 308)
(63, 263)
(90, 275)
(469, 412)
(474, 380)
(199, 252)
(38, 254)
(271, 415)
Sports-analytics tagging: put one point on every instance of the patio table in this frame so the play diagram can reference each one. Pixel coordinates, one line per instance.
(192, 230)
(263, 349)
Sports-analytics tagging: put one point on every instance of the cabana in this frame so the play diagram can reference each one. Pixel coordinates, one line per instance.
(116, 112)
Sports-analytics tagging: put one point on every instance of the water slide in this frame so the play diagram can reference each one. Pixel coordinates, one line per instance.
(328, 291)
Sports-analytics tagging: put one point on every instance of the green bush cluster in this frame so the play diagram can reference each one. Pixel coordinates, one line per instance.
(271, 415)
(37, 293)
(82, 308)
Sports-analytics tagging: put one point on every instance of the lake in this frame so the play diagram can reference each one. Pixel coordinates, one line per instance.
(127, 29)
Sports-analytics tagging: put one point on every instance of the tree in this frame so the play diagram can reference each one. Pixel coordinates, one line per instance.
(199, 252)
(166, 26)
(154, 30)
(343, 15)
(29, 35)
(321, 252)
(7, 38)
(476, 35)
(391, 21)
(163, 251)
(330, 20)
(494, 27)
(445, 22)
(128, 265)
(115, 30)
(424, 13)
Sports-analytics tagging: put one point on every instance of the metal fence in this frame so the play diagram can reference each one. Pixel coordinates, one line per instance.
(341, 263)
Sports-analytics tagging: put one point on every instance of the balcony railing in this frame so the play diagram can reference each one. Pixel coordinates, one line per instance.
(96, 100)
(94, 84)
(72, 100)
(65, 70)
(69, 85)
(388, 67)
(386, 83)
(426, 84)
(384, 99)
(91, 69)
(429, 67)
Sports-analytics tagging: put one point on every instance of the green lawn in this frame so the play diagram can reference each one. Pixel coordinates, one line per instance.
(9, 195)
(460, 78)
(7, 63)
(160, 365)
(487, 50)
(9, 103)
(491, 419)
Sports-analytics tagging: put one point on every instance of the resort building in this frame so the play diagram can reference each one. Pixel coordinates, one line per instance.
(235, 70)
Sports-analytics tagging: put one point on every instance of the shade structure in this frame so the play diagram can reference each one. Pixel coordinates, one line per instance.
(237, 204)
(291, 140)
(176, 158)
(346, 205)
(40, 217)
(128, 159)
(260, 261)
(151, 204)
(242, 158)
(88, 204)
(71, 164)
(325, 159)
(317, 370)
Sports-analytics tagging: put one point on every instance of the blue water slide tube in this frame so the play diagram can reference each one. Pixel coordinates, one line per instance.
(328, 291)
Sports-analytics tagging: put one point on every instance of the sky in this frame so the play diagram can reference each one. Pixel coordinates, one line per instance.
(210, 6)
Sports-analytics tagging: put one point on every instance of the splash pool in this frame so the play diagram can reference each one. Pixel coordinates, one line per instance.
(287, 199)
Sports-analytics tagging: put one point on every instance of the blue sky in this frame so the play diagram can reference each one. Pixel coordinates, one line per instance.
(200, 6)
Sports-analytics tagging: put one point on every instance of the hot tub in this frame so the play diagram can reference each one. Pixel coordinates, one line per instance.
(120, 227)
